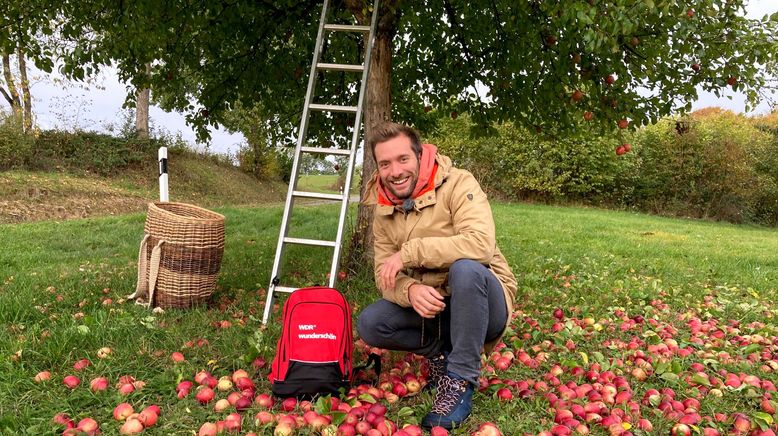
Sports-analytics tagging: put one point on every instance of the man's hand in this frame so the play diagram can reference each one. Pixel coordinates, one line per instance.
(387, 272)
(426, 300)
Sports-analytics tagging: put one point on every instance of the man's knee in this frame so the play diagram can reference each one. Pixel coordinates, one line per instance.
(370, 323)
(464, 269)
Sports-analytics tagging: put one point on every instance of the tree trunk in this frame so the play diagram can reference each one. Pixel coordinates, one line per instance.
(377, 108)
(142, 97)
(25, 84)
(12, 95)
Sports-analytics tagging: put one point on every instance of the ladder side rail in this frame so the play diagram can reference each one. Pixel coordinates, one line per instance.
(301, 137)
(354, 146)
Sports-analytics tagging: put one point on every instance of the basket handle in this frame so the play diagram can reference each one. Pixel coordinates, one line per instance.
(156, 254)
(147, 283)
(141, 287)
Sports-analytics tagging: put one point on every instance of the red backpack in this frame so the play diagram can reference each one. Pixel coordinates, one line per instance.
(315, 348)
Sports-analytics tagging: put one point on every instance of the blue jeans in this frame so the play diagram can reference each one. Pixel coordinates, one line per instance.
(475, 313)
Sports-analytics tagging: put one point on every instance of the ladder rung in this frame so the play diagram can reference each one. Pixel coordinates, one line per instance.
(315, 242)
(341, 67)
(332, 108)
(346, 28)
(317, 195)
(325, 150)
(284, 289)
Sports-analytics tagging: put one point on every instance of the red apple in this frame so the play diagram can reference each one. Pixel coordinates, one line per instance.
(362, 427)
(177, 356)
(588, 116)
(42, 376)
(98, 384)
(148, 417)
(238, 374)
(623, 123)
(259, 363)
(71, 381)
(88, 426)
(454, 115)
(221, 405)
(63, 419)
(438, 431)
(696, 66)
(289, 404)
(620, 150)
(505, 394)
(680, 430)
(208, 429)
(263, 417)
(610, 80)
(264, 400)
(732, 80)
(201, 376)
(577, 95)
(204, 394)
(243, 403)
(122, 411)
(81, 364)
(126, 388)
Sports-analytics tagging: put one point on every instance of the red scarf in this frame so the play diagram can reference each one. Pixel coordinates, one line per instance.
(425, 183)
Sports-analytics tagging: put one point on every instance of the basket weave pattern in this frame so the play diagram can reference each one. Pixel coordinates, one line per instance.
(191, 242)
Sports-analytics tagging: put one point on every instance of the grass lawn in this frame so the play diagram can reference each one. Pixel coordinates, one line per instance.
(324, 183)
(683, 307)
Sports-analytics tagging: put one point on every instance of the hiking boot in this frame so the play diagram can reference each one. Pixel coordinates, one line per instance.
(453, 403)
(437, 369)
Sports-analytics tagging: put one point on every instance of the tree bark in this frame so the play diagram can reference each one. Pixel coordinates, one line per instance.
(25, 85)
(13, 94)
(142, 97)
(377, 108)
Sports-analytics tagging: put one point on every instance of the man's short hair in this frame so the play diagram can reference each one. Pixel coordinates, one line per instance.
(388, 130)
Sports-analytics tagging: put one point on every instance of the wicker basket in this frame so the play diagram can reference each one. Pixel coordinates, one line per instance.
(180, 255)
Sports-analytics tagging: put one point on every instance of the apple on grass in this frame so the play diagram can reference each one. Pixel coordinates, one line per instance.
(88, 426)
(131, 426)
(71, 381)
(42, 376)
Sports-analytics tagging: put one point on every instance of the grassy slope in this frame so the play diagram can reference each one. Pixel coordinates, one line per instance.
(34, 196)
(583, 260)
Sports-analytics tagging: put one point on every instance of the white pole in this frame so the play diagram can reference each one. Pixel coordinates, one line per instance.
(163, 190)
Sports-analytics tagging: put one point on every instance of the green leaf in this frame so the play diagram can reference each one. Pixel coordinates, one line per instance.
(367, 398)
(661, 367)
(763, 420)
(669, 376)
(700, 380)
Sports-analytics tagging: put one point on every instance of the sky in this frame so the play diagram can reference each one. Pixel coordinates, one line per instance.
(98, 105)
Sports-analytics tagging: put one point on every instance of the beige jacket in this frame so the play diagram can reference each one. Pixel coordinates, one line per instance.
(450, 223)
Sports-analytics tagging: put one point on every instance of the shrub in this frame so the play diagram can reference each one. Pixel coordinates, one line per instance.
(706, 165)
(15, 146)
(95, 152)
(520, 165)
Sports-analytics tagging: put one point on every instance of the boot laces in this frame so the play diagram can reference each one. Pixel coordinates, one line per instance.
(449, 393)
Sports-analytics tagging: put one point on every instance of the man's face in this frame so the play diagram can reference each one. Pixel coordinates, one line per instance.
(398, 166)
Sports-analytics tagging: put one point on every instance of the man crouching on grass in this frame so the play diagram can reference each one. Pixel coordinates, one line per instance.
(447, 290)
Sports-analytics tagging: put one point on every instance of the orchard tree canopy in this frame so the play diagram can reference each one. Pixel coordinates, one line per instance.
(541, 63)
(545, 64)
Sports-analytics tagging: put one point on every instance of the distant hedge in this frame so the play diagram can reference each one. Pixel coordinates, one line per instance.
(712, 164)
(99, 153)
